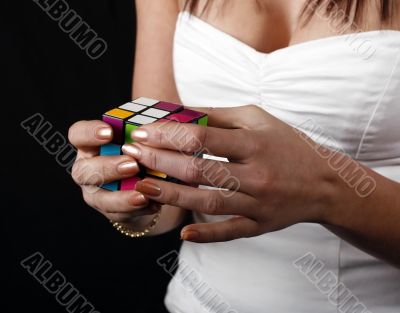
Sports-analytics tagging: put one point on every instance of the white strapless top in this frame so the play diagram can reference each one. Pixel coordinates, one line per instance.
(349, 86)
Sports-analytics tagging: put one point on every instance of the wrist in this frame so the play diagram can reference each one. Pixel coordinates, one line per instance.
(348, 186)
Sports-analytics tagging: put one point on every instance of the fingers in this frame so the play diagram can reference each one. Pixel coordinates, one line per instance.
(190, 169)
(152, 209)
(234, 144)
(99, 170)
(234, 117)
(87, 134)
(230, 229)
(120, 202)
(211, 202)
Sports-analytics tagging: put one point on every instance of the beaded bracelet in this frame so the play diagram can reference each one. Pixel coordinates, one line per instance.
(136, 234)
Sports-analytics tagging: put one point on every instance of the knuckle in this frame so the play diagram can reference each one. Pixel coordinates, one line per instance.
(91, 189)
(253, 108)
(196, 140)
(77, 172)
(252, 144)
(215, 235)
(213, 204)
(84, 173)
(105, 170)
(233, 231)
(194, 171)
(98, 177)
(254, 147)
(153, 160)
(159, 136)
(88, 198)
(99, 203)
(174, 198)
(265, 182)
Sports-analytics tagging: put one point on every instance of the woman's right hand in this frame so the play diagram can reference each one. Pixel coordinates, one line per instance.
(91, 171)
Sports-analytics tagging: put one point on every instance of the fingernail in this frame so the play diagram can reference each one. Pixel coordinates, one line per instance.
(137, 200)
(131, 150)
(127, 168)
(140, 135)
(104, 133)
(148, 188)
(190, 235)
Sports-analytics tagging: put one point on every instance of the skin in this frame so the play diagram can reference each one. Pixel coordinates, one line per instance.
(288, 171)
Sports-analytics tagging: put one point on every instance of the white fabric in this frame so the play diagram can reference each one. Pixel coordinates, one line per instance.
(355, 100)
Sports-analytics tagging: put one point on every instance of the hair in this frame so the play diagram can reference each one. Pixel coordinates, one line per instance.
(352, 11)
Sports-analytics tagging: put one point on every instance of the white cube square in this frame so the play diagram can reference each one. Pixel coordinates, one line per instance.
(142, 120)
(133, 107)
(145, 101)
(155, 113)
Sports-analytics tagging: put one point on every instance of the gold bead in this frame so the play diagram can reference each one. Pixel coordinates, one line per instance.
(136, 234)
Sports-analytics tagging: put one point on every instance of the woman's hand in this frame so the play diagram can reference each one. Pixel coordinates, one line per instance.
(91, 171)
(275, 178)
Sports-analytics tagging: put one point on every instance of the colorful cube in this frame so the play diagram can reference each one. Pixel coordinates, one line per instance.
(132, 115)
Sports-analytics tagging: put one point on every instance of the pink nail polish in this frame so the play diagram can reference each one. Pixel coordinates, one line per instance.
(140, 135)
(127, 168)
(104, 133)
(148, 188)
(190, 235)
(138, 200)
(131, 150)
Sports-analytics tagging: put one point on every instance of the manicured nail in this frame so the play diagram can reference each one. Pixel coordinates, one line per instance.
(127, 168)
(148, 188)
(140, 135)
(131, 150)
(190, 235)
(137, 200)
(104, 133)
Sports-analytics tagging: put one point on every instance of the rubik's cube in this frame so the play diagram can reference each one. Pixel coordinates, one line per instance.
(132, 115)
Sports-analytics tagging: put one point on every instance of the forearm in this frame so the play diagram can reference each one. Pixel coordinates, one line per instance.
(153, 66)
(371, 223)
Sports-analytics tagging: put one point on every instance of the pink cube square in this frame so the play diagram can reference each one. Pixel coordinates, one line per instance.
(129, 183)
(180, 118)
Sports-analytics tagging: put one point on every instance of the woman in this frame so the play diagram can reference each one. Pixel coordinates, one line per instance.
(316, 156)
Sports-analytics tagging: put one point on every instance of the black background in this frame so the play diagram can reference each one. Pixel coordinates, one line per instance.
(45, 72)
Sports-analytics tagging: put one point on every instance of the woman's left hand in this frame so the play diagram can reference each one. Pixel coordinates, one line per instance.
(274, 177)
